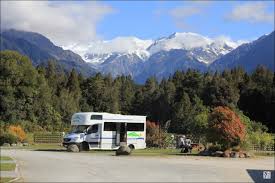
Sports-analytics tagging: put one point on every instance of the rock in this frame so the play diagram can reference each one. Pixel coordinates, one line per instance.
(241, 155)
(201, 147)
(234, 154)
(19, 144)
(73, 148)
(123, 150)
(6, 145)
(212, 153)
(226, 154)
(218, 154)
(25, 144)
(13, 145)
(204, 153)
(247, 155)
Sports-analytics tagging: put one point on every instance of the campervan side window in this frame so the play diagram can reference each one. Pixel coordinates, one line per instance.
(96, 117)
(135, 127)
(109, 126)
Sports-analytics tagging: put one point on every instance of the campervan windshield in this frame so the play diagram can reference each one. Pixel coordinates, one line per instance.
(79, 128)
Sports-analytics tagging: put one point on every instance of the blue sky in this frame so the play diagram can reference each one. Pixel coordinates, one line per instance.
(152, 20)
(80, 22)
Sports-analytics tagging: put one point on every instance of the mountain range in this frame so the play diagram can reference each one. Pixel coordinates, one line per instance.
(40, 50)
(144, 58)
(249, 55)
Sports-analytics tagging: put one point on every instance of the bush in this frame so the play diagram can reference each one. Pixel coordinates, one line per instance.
(225, 127)
(18, 132)
(8, 138)
(152, 134)
(157, 137)
(261, 139)
(214, 148)
(256, 133)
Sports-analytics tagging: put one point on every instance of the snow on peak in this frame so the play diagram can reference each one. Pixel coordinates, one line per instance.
(128, 45)
(100, 50)
(224, 40)
(186, 40)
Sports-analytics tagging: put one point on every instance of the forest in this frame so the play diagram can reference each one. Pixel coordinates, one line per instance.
(43, 98)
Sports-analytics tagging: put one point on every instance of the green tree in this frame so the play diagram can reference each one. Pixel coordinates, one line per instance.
(182, 115)
(220, 92)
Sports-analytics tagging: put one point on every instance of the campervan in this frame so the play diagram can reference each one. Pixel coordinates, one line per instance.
(99, 130)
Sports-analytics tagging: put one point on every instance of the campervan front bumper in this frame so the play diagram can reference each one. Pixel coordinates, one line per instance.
(68, 141)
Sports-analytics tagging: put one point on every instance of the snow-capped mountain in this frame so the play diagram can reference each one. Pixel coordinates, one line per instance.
(249, 55)
(202, 48)
(144, 58)
(99, 51)
(134, 56)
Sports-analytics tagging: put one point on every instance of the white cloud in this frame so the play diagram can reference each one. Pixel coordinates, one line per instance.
(63, 22)
(184, 11)
(119, 44)
(220, 40)
(255, 12)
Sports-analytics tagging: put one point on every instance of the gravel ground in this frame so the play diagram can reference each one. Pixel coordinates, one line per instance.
(46, 166)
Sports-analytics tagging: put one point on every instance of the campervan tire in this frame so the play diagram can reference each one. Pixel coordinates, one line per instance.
(131, 146)
(84, 146)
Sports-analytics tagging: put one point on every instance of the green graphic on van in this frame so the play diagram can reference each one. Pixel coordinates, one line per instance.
(134, 134)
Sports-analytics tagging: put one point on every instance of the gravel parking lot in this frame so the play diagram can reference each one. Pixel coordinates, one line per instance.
(47, 166)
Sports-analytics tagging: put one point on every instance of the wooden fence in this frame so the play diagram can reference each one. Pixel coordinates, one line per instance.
(48, 138)
(256, 147)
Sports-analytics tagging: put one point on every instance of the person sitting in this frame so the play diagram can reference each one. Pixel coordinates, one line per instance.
(186, 145)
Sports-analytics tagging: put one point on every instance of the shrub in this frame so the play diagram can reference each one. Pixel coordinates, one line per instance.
(8, 138)
(261, 139)
(256, 134)
(18, 132)
(157, 137)
(152, 134)
(215, 148)
(225, 127)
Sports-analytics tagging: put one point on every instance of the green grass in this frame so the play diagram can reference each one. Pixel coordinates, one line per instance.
(7, 166)
(46, 146)
(146, 152)
(271, 153)
(160, 152)
(5, 179)
(4, 158)
(29, 138)
(136, 152)
(38, 146)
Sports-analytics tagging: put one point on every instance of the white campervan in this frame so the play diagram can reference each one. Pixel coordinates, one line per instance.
(100, 130)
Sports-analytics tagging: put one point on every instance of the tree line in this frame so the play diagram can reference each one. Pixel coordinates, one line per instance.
(45, 97)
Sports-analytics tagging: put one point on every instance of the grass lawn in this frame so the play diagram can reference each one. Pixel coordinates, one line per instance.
(4, 158)
(136, 152)
(146, 152)
(5, 179)
(38, 146)
(160, 152)
(266, 153)
(7, 166)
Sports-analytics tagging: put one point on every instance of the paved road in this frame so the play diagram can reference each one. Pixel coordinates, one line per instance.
(35, 166)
